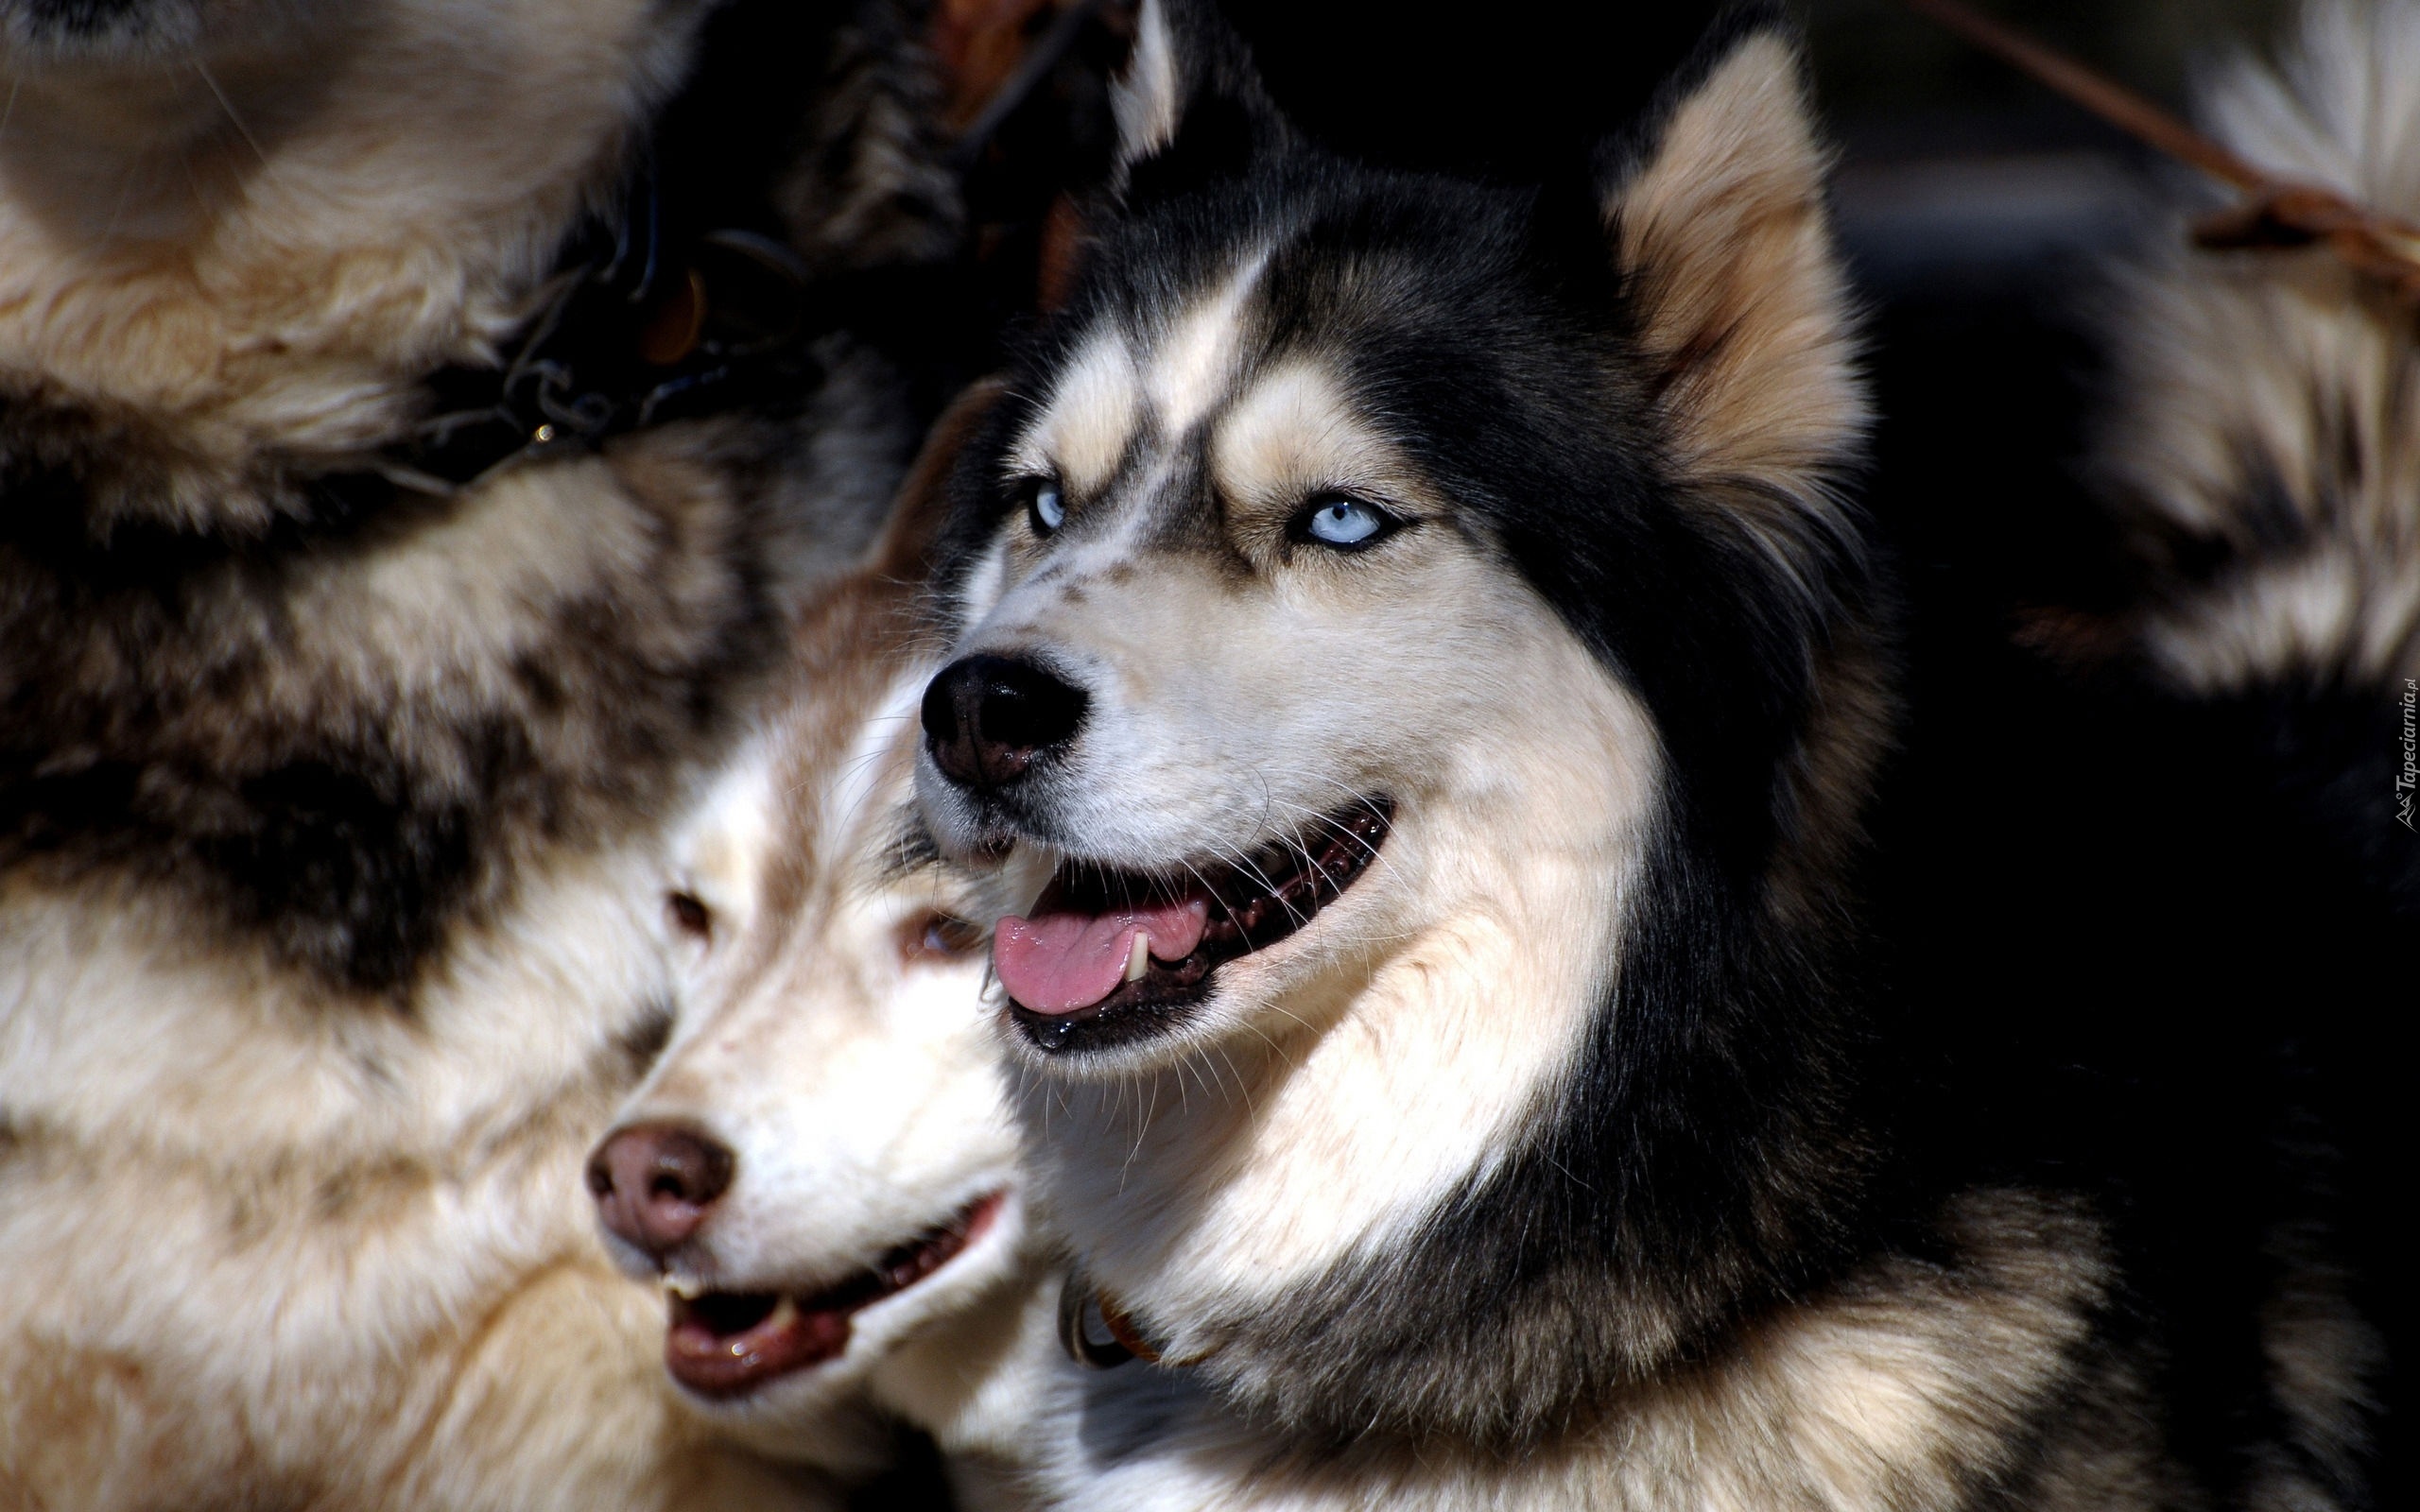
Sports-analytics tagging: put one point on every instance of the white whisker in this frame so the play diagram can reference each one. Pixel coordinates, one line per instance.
(229, 106)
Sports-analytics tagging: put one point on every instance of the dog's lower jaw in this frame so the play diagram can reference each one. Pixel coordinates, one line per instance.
(1262, 1141)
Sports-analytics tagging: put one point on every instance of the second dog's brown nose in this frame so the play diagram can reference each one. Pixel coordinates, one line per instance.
(653, 1183)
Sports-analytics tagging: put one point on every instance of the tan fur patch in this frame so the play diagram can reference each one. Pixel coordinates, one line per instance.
(1722, 232)
(1292, 435)
(1092, 414)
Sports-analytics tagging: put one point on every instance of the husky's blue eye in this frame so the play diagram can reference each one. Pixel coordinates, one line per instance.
(1047, 509)
(1345, 523)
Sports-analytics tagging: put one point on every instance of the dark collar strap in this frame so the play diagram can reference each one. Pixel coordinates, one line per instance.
(633, 334)
(667, 314)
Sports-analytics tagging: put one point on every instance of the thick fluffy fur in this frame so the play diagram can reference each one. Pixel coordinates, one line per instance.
(329, 902)
(830, 1037)
(1563, 1158)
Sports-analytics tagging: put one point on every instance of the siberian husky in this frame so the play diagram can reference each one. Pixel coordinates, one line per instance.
(414, 423)
(1418, 624)
(820, 1169)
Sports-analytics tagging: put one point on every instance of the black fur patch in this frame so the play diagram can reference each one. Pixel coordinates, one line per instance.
(150, 725)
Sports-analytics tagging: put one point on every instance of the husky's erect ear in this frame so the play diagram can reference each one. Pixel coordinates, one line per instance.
(1717, 217)
(1189, 96)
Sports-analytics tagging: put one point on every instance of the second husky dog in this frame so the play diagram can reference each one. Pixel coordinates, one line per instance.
(820, 1168)
(1415, 621)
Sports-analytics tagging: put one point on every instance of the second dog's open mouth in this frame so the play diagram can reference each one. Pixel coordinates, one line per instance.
(1106, 948)
(726, 1344)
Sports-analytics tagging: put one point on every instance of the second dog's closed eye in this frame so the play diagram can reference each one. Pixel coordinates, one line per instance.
(690, 915)
(939, 937)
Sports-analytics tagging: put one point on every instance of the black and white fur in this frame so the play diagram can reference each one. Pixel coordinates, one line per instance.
(1571, 1156)
(330, 931)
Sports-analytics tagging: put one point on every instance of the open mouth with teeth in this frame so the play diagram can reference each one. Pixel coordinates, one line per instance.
(1109, 956)
(726, 1344)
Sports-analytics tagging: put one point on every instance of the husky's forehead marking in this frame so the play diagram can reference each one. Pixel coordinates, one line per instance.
(1197, 357)
(1295, 431)
(1083, 432)
(1165, 384)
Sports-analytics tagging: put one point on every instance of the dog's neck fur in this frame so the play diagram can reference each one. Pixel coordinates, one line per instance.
(374, 191)
(261, 250)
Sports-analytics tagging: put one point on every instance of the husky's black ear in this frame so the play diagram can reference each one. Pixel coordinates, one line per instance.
(1189, 102)
(1717, 217)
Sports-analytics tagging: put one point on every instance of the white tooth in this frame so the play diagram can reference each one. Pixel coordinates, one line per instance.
(688, 1290)
(1138, 960)
(785, 1312)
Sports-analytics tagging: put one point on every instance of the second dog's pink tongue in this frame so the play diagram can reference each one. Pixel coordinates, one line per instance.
(1057, 963)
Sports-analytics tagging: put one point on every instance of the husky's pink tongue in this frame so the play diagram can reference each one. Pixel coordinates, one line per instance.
(1060, 962)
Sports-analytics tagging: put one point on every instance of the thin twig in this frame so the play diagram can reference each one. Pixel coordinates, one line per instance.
(2276, 212)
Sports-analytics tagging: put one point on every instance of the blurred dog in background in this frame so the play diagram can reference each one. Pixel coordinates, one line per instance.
(417, 423)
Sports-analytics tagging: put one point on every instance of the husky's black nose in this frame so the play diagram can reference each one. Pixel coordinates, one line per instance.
(988, 717)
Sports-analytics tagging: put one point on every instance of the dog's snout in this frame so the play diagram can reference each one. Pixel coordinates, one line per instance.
(987, 718)
(653, 1183)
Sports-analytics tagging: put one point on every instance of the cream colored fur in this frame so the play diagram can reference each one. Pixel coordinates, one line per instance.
(849, 1070)
(1878, 1396)
(1145, 95)
(265, 237)
(1725, 233)
(263, 1251)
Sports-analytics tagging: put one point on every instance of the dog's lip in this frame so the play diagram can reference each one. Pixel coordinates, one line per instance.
(1251, 907)
(724, 1344)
